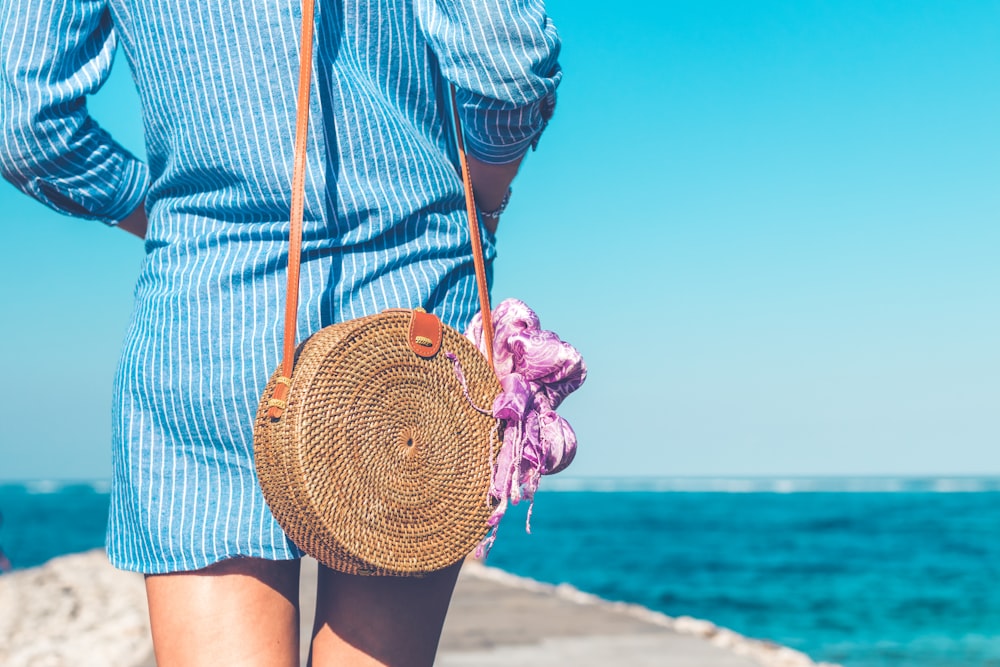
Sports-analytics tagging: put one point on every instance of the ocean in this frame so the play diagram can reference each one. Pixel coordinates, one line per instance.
(865, 573)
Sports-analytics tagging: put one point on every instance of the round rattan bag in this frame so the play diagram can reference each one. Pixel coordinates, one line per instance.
(380, 462)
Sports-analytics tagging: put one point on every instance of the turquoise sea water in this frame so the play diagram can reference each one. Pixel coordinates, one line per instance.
(865, 579)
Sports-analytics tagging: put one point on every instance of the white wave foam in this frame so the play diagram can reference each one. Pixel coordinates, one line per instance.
(42, 486)
(101, 486)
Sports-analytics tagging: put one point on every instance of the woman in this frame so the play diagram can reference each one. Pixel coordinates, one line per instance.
(384, 228)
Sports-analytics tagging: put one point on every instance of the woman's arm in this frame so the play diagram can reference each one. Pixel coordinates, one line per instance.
(490, 183)
(53, 54)
(502, 55)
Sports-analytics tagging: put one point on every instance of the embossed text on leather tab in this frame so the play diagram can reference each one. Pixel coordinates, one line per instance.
(425, 334)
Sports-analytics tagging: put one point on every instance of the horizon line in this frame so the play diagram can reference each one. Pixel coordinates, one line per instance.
(680, 484)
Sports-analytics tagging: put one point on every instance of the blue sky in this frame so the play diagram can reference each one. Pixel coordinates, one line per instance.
(773, 229)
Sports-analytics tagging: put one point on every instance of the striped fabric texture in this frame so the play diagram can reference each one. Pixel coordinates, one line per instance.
(384, 214)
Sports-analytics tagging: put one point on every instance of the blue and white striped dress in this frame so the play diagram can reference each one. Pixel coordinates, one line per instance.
(383, 220)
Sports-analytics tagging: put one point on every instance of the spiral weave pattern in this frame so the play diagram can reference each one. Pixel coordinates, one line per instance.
(380, 464)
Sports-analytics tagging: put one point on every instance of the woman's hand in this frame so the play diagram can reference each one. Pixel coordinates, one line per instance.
(136, 222)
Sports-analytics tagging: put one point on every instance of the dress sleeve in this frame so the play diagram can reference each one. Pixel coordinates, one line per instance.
(52, 55)
(502, 55)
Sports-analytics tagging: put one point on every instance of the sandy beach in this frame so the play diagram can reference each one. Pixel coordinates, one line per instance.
(78, 610)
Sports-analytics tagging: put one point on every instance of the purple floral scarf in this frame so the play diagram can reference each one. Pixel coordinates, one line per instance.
(537, 370)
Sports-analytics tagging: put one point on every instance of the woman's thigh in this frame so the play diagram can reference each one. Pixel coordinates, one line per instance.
(242, 611)
(369, 621)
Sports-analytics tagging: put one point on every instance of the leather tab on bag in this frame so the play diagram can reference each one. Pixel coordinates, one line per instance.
(425, 334)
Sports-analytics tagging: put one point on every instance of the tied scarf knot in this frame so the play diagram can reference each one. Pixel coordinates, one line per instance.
(537, 371)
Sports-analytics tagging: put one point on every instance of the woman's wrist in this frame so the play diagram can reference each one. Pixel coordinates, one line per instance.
(495, 213)
(491, 182)
(136, 221)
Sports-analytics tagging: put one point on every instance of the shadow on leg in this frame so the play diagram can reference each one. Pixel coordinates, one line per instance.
(386, 621)
(242, 611)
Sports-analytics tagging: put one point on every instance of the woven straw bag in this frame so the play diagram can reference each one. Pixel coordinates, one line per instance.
(369, 448)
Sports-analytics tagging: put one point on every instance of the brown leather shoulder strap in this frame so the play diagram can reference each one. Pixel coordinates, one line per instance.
(277, 401)
(477, 242)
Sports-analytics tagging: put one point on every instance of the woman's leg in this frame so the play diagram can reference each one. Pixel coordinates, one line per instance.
(242, 611)
(368, 621)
